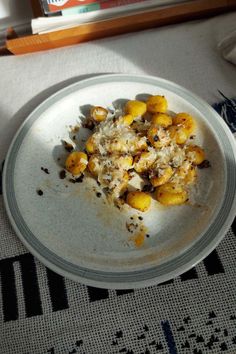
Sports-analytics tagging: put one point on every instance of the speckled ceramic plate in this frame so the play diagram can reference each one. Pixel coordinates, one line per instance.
(83, 237)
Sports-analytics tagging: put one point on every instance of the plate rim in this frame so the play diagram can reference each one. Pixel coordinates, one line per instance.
(84, 277)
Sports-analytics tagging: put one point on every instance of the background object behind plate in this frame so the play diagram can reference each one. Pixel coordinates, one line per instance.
(227, 47)
(14, 13)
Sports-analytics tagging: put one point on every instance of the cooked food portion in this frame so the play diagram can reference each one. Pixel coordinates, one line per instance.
(99, 113)
(171, 194)
(141, 139)
(76, 162)
(139, 200)
(135, 108)
(157, 104)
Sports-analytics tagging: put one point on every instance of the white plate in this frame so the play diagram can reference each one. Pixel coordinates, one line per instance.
(83, 238)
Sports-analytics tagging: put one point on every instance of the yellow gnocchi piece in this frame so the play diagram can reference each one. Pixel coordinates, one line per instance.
(98, 113)
(143, 161)
(123, 185)
(140, 145)
(76, 162)
(162, 178)
(186, 121)
(188, 175)
(178, 134)
(191, 176)
(139, 200)
(117, 147)
(171, 194)
(161, 119)
(124, 162)
(119, 189)
(153, 137)
(135, 108)
(196, 154)
(136, 146)
(121, 147)
(90, 145)
(157, 104)
(93, 165)
(127, 119)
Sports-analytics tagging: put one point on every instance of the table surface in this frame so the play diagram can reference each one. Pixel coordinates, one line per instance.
(41, 312)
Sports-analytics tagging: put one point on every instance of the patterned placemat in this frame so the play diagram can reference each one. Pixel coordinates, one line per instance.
(42, 312)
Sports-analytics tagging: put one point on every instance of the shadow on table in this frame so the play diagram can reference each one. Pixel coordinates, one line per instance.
(20, 116)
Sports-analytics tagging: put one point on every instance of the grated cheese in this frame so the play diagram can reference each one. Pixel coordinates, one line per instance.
(117, 143)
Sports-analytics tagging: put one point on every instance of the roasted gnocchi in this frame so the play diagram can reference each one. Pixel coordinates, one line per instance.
(157, 104)
(143, 139)
(139, 200)
(171, 194)
(76, 162)
(135, 108)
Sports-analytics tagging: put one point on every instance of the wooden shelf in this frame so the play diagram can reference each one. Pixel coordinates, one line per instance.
(149, 19)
